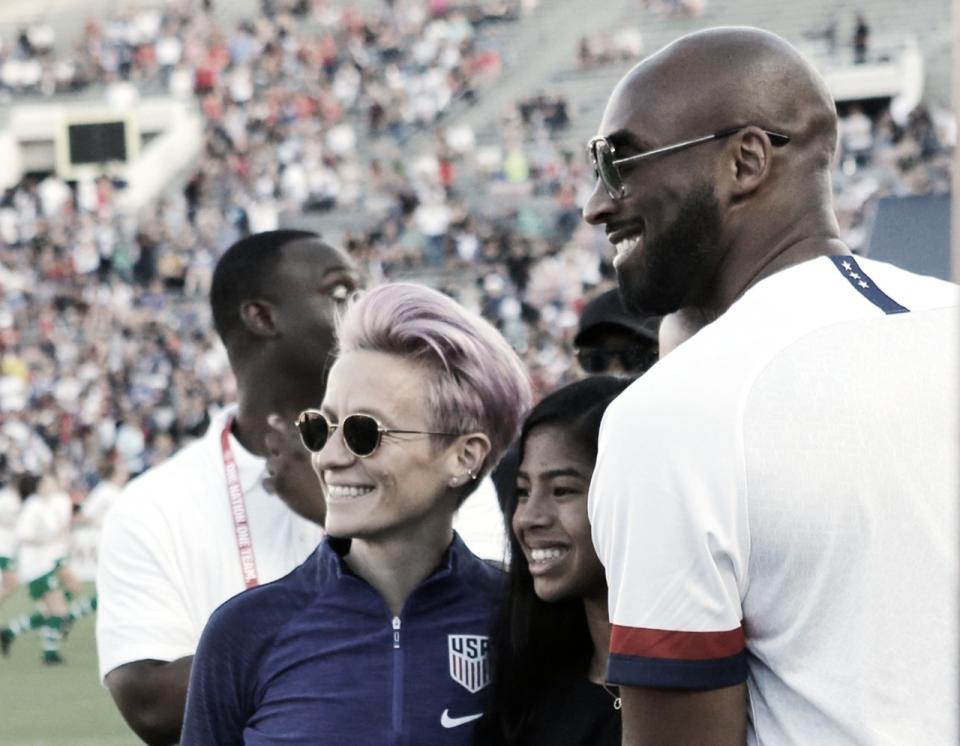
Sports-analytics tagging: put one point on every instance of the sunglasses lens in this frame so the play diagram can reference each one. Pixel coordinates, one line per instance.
(638, 359)
(603, 157)
(593, 162)
(593, 361)
(313, 430)
(361, 434)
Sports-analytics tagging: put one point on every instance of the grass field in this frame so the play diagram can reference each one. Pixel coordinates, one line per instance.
(56, 705)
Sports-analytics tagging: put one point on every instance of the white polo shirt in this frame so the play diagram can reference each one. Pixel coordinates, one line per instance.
(776, 502)
(169, 555)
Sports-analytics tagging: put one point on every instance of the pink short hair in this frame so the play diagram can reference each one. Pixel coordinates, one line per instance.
(479, 383)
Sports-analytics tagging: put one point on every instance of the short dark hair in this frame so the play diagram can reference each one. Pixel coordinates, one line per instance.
(536, 644)
(242, 272)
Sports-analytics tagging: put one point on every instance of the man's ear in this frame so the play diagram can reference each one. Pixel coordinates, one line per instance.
(751, 160)
(259, 317)
(468, 458)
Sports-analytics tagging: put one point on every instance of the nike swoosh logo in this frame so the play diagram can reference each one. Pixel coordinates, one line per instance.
(451, 722)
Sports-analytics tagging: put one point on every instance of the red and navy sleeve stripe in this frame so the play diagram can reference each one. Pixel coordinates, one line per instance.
(667, 659)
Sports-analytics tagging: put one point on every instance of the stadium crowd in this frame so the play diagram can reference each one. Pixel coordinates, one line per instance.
(111, 361)
(82, 296)
(107, 350)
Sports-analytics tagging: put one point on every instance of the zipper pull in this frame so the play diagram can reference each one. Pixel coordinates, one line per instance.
(396, 632)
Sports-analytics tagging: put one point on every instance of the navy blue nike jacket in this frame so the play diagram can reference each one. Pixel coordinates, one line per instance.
(317, 658)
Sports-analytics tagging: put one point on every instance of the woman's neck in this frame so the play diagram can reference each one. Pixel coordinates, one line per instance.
(598, 622)
(395, 566)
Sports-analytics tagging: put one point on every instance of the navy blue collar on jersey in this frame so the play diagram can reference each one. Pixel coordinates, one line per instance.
(861, 282)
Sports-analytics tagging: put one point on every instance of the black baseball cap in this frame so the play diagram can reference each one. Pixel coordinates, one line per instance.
(605, 310)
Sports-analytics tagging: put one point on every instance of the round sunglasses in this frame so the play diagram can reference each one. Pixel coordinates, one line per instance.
(362, 433)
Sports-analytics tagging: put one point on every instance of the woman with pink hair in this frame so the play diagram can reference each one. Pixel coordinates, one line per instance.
(381, 636)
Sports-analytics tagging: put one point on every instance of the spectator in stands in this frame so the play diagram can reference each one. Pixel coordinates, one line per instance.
(856, 137)
(384, 629)
(50, 238)
(549, 648)
(201, 527)
(609, 340)
(861, 39)
(612, 340)
(113, 477)
(735, 478)
(626, 43)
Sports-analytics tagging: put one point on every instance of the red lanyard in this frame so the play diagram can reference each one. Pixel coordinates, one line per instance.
(238, 509)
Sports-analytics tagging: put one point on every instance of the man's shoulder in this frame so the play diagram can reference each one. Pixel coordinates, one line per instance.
(936, 292)
(175, 494)
(186, 473)
(779, 310)
(847, 286)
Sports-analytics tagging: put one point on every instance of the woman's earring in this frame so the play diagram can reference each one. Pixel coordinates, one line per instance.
(461, 480)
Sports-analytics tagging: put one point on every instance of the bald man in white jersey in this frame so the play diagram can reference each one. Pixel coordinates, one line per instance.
(775, 502)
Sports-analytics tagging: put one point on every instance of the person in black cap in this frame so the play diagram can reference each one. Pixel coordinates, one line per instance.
(614, 341)
(610, 340)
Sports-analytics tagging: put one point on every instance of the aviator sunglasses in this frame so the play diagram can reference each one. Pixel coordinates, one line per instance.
(606, 166)
(361, 432)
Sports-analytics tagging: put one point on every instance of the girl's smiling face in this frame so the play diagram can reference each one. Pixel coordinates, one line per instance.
(550, 520)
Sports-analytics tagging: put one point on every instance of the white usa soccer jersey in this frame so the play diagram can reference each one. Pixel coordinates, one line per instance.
(776, 502)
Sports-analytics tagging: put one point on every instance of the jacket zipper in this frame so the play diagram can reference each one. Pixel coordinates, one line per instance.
(397, 682)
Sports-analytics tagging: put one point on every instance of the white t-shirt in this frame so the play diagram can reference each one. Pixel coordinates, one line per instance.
(43, 533)
(776, 502)
(169, 556)
(9, 509)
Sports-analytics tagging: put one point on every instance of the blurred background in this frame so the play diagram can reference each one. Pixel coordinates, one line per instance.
(437, 140)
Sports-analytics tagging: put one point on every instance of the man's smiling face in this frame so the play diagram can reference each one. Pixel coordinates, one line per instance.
(666, 225)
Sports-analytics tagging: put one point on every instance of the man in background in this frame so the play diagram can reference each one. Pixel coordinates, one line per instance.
(615, 341)
(202, 527)
(610, 340)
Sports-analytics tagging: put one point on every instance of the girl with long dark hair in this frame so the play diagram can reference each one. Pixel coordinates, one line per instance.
(549, 649)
